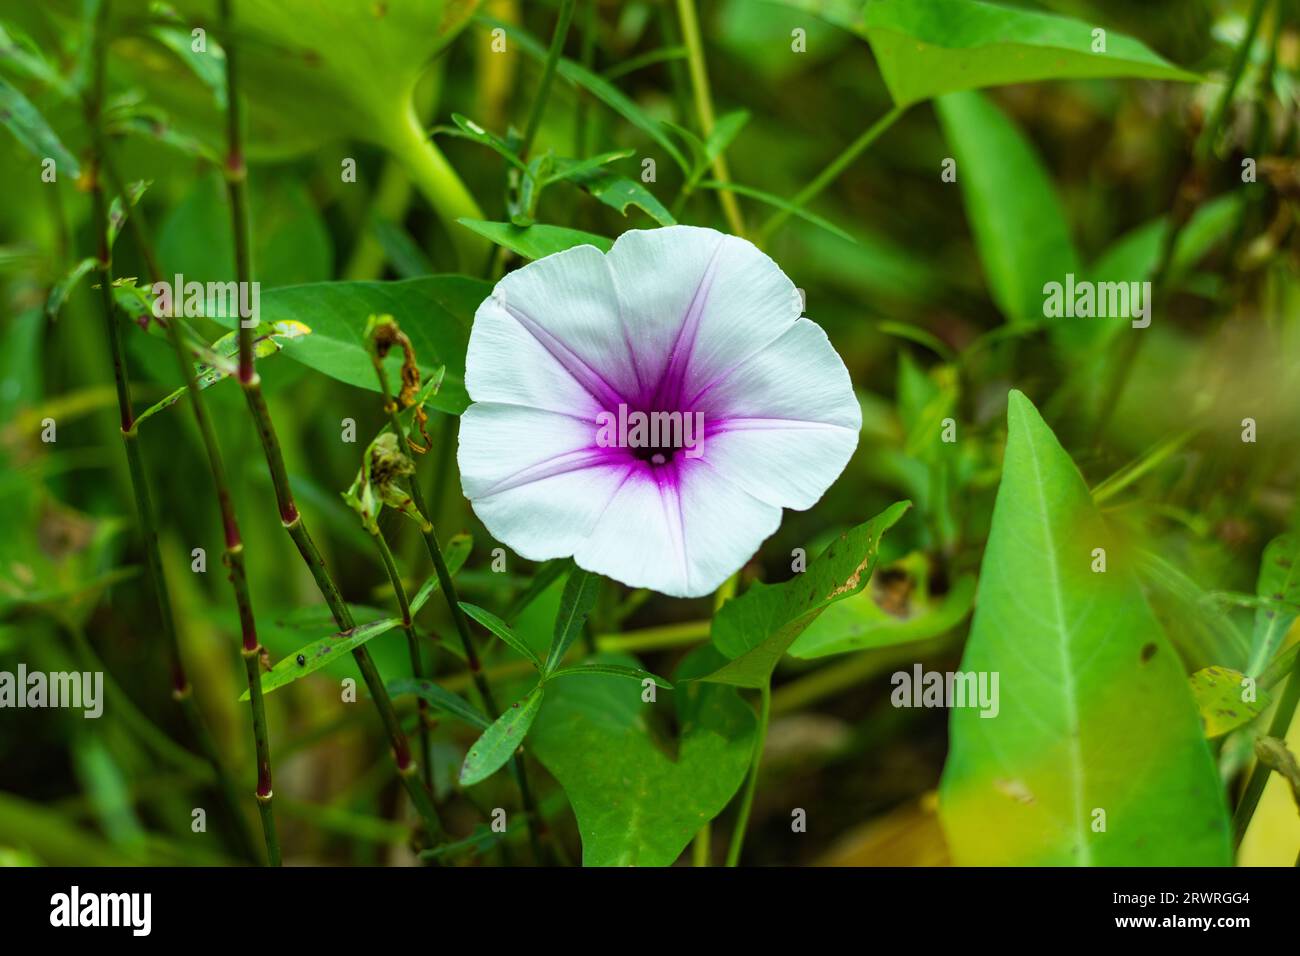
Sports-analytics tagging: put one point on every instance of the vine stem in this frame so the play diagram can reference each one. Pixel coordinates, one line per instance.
(537, 830)
(182, 692)
(237, 176)
(832, 171)
(1278, 727)
(437, 180)
(704, 107)
(413, 645)
(236, 173)
(251, 648)
(751, 784)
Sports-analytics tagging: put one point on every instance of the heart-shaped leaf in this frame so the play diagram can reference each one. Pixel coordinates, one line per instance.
(639, 799)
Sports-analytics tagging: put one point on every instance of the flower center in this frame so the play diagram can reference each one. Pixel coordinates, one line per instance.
(656, 437)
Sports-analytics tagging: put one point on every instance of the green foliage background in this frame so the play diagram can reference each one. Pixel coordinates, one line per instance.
(1118, 688)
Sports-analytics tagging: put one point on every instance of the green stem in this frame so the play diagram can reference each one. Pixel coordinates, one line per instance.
(548, 76)
(1278, 727)
(1211, 130)
(536, 824)
(704, 107)
(751, 783)
(237, 178)
(250, 381)
(437, 180)
(832, 170)
(181, 689)
(234, 547)
(587, 57)
(413, 646)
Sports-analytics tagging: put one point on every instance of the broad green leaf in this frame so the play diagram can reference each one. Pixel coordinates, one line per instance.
(1095, 711)
(490, 752)
(1222, 700)
(927, 48)
(576, 602)
(308, 78)
(435, 312)
(596, 85)
(502, 630)
(440, 699)
(1019, 225)
(536, 241)
(610, 670)
(1279, 584)
(327, 649)
(33, 132)
(756, 629)
(639, 799)
(861, 623)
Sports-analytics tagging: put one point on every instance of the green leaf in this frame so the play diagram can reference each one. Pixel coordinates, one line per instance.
(327, 649)
(536, 241)
(466, 128)
(441, 699)
(490, 752)
(502, 630)
(619, 192)
(638, 798)
(596, 85)
(579, 597)
(29, 127)
(1279, 584)
(60, 291)
(1096, 714)
(1219, 696)
(927, 48)
(267, 342)
(1019, 225)
(435, 312)
(779, 203)
(612, 670)
(860, 623)
(756, 629)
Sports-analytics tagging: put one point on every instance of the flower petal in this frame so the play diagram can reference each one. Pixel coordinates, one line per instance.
(783, 424)
(534, 478)
(696, 302)
(682, 536)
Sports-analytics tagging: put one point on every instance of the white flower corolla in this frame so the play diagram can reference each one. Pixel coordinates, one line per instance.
(589, 373)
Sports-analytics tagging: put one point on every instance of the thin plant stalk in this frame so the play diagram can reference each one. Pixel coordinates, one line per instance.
(704, 107)
(1278, 727)
(536, 824)
(751, 783)
(237, 176)
(548, 76)
(251, 647)
(407, 768)
(181, 688)
(413, 645)
(832, 171)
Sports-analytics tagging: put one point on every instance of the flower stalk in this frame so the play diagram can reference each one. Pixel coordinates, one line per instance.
(536, 824)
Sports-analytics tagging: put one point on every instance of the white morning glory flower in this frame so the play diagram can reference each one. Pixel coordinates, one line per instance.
(577, 363)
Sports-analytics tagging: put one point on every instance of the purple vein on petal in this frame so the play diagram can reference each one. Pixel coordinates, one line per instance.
(561, 464)
(668, 392)
(589, 378)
